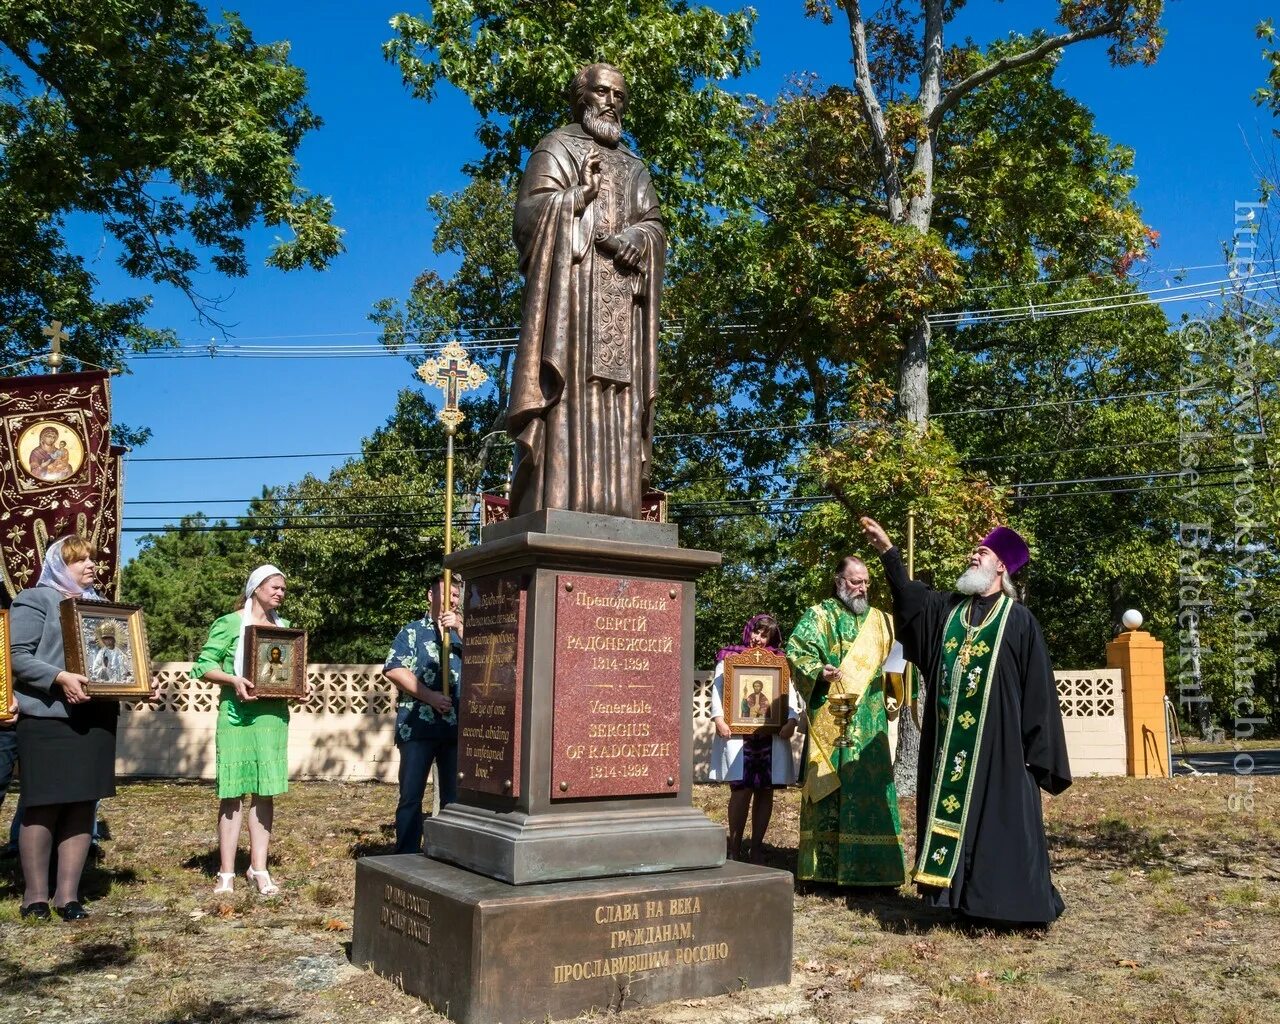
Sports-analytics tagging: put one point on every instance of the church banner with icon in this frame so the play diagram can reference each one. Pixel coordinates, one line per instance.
(59, 473)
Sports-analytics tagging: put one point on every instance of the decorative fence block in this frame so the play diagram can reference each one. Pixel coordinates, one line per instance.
(1092, 703)
(346, 730)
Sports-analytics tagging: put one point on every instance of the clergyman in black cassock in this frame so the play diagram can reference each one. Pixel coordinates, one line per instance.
(1001, 871)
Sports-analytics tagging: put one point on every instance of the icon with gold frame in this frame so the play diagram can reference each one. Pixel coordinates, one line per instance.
(6, 669)
(275, 661)
(756, 683)
(107, 643)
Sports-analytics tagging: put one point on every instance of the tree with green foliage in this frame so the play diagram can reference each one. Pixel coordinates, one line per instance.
(178, 133)
(187, 577)
(477, 304)
(892, 471)
(811, 315)
(903, 43)
(1269, 94)
(760, 365)
(361, 545)
(514, 62)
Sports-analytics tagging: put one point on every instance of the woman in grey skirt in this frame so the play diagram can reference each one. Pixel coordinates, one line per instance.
(66, 743)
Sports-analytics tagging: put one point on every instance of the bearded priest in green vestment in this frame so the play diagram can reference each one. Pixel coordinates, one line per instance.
(849, 829)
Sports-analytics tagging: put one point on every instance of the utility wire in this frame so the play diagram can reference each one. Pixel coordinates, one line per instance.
(687, 510)
(289, 455)
(285, 498)
(1163, 271)
(1017, 486)
(1073, 401)
(237, 528)
(728, 432)
(1096, 304)
(1067, 451)
(1060, 303)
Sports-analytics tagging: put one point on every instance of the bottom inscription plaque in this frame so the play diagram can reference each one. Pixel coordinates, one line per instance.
(509, 953)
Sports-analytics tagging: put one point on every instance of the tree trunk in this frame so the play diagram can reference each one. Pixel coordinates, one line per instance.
(913, 375)
(907, 761)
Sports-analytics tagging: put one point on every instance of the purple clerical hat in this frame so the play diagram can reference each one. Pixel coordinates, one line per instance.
(1009, 547)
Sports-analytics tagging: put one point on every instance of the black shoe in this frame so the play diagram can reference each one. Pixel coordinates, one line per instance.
(73, 911)
(40, 911)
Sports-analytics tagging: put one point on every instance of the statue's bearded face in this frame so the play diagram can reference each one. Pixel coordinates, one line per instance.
(602, 103)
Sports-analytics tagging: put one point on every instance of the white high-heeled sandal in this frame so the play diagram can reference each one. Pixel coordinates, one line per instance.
(270, 889)
(225, 883)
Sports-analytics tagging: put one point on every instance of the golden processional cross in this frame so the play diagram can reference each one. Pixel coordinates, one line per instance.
(56, 336)
(453, 372)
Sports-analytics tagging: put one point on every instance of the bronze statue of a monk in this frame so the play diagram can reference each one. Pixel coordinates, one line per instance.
(592, 249)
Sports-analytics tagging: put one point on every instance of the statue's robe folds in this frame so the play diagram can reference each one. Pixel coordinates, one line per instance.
(1003, 872)
(585, 379)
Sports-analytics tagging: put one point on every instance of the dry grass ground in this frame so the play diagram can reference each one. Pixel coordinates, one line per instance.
(1173, 903)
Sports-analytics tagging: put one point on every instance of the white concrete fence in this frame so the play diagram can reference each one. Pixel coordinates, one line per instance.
(346, 730)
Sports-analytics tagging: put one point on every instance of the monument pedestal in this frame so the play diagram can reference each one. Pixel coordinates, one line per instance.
(484, 952)
(574, 871)
(576, 716)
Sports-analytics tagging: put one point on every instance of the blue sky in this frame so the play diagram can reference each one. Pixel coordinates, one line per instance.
(1190, 119)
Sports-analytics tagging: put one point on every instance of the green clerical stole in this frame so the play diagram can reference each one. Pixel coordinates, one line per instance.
(968, 669)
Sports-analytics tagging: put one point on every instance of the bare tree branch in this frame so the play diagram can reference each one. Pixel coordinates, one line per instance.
(1016, 60)
(872, 111)
(920, 207)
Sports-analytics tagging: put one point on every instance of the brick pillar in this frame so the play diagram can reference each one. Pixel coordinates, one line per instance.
(1140, 658)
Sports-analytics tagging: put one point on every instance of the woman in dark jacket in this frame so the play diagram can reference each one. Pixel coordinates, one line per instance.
(66, 743)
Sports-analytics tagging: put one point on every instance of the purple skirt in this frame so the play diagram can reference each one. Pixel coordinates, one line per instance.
(757, 763)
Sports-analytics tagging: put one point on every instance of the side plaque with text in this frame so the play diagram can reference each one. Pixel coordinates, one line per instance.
(492, 670)
(617, 687)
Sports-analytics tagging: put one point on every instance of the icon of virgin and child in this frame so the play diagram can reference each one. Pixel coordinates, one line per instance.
(51, 459)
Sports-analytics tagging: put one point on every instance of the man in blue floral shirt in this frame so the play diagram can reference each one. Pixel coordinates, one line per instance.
(426, 713)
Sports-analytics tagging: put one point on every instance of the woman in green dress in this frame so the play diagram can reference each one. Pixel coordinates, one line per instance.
(252, 735)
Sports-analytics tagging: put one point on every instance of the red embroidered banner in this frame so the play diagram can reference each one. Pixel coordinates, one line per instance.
(59, 473)
(494, 509)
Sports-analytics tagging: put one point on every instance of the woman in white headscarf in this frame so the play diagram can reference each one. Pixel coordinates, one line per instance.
(253, 733)
(66, 743)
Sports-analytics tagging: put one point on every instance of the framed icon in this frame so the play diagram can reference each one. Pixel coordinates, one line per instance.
(6, 668)
(275, 661)
(107, 643)
(756, 685)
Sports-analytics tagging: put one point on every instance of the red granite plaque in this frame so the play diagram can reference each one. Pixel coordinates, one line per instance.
(617, 687)
(492, 670)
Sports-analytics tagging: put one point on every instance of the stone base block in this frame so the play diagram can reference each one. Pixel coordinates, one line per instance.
(480, 951)
(524, 849)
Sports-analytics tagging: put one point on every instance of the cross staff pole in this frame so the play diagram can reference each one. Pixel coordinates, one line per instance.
(453, 372)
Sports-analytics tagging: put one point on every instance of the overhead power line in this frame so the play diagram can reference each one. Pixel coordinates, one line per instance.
(286, 455)
(239, 351)
(1092, 400)
(1070, 451)
(735, 508)
(1044, 282)
(1100, 303)
(725, 432)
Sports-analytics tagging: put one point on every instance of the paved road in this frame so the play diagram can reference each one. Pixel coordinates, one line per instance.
(1265, 762)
